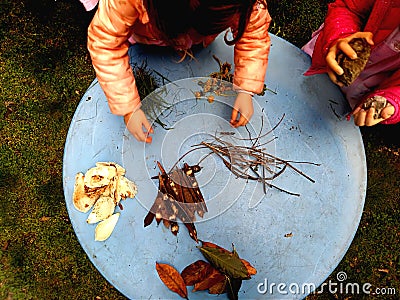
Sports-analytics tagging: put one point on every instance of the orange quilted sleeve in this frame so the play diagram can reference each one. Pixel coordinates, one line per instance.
(252, 50)
(108, 46)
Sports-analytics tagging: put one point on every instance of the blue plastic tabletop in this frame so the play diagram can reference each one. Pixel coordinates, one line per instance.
(295, 241)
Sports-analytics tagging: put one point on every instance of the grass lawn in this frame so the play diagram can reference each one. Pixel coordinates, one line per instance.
(44, 71)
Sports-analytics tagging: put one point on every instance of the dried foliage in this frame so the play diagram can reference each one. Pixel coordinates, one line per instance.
(178, 198)
(223, 273)
(172, 279)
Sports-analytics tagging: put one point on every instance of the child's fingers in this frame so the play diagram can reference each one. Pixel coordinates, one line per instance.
(333, 78)
(140, 136)
(387, 112)
(369, 38)
(234, 115)
(147, 126)
(369, 118)
(345, 47)
(356, 110)
(333, 64)
(366, 118)
(149, 129)
(241, 122)
(143, 137)
(359, 118)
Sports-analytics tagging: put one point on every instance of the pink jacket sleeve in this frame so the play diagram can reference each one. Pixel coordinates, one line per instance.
(108, 46)
(252, 50)
(390, 89)
(344, 17)
(392, 94)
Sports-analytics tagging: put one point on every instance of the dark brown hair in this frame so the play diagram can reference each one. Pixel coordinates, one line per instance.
(174, 17)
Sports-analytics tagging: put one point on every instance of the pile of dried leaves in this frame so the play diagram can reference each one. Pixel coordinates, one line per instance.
(220, 83)
(179, 197)
(223, 272)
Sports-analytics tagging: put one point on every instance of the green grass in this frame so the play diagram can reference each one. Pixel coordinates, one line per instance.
(44, 71)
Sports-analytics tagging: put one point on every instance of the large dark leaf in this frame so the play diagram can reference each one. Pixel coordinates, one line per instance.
(196, 272)
(250, 269)
(225, 261)
(232, 288)
(212, 279)
(219, 288)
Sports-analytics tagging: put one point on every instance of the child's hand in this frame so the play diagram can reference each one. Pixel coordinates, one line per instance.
(242, 110)
(343, 45)
(135, 122)
(364, 117)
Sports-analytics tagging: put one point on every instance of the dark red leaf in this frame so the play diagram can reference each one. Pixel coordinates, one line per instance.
(214, 278)
(196, 272)
(218, 288)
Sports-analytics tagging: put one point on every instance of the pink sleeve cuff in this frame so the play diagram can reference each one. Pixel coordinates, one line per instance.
(392, 95)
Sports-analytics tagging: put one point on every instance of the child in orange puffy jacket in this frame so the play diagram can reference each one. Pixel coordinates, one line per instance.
(178, 24)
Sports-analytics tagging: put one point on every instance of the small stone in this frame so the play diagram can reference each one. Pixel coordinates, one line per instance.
(353, 67)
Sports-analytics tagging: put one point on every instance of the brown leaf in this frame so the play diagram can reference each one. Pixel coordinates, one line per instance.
(226, 262)
(214, 278)
(192, 231)
(172, 279)
(212, 245)
(196, 272)
(218, 288)
(250, 269)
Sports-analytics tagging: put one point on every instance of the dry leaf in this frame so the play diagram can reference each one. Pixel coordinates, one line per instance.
(196, 272)
(212, 245)
(227, 262)
(178, 198)
(232, 288)
(250, 269)
(172, 279)
(219, 288)
(214, 278)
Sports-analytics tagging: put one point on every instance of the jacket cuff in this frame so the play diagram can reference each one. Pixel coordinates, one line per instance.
(123, 108)
(248, 85)
(393, 99)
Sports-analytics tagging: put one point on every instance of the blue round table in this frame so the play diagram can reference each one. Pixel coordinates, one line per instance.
(293, 241)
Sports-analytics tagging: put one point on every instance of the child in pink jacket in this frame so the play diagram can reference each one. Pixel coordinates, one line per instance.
(178, 24)
(378, 22)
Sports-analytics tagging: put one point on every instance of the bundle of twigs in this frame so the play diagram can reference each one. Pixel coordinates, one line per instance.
(246, 161)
